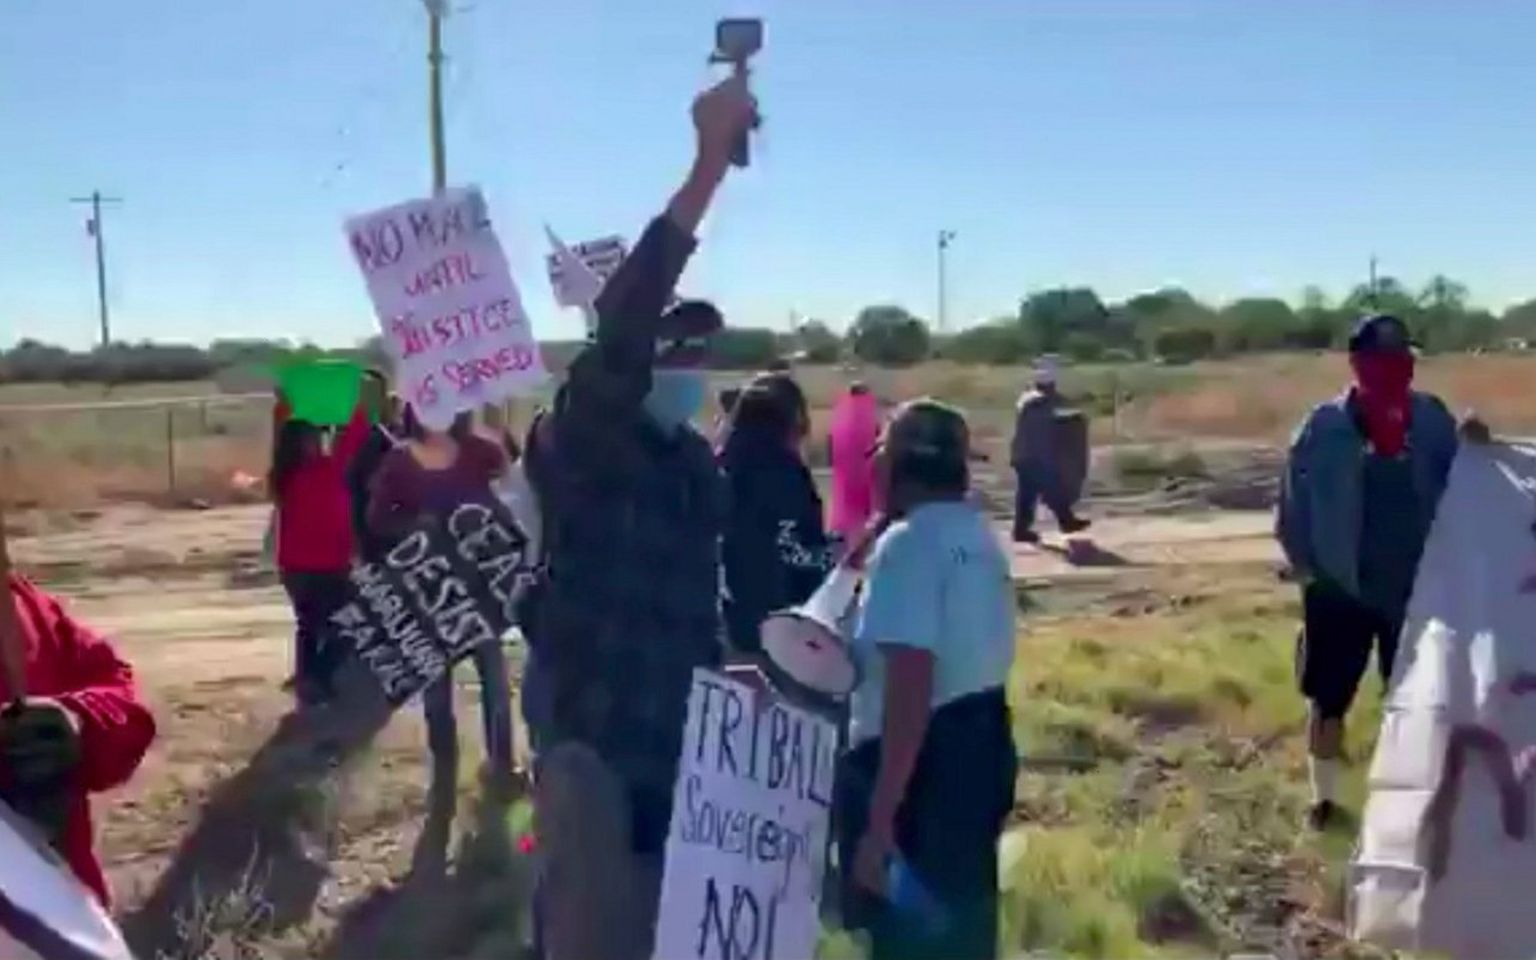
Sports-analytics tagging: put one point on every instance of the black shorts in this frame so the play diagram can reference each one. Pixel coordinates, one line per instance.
(1334, 648)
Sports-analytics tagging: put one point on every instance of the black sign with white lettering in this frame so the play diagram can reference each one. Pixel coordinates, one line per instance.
(441, 591)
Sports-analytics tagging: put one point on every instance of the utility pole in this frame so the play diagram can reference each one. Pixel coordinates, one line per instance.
(94, 225)
(1373, 287)
(436, 11)
(945, 238)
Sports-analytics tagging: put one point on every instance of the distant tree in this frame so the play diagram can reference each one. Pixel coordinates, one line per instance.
(1049, 317)
(1148, 314)
(1388, 296)
(818, 343)
(1520, 320)
(1257, 324)
(998, 342)
(1445, 321)
(743, 348)
(1185, 344)
(889, 336)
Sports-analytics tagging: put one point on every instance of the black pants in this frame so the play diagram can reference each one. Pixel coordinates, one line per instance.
(1337, 635)
(947, 830)
(316, 648)
(1036, 483)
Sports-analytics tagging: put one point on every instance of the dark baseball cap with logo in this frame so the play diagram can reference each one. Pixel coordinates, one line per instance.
(685, 332)
(1381, 333)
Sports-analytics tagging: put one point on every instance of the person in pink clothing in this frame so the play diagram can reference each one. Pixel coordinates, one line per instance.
(851, 441)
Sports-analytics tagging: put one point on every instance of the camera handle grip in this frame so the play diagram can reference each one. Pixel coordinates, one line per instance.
(741, 154)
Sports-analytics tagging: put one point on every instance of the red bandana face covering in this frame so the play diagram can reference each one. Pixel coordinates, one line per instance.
(1382, 382)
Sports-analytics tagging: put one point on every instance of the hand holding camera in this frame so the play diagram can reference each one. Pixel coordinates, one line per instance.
(722, 116)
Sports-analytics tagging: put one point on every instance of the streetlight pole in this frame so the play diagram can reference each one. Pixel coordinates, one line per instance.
(945, 238)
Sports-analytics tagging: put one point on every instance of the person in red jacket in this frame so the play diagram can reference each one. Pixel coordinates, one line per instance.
(80, 729)
(315, 540)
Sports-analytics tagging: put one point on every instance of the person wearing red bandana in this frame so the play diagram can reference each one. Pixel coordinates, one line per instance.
(1363, 479)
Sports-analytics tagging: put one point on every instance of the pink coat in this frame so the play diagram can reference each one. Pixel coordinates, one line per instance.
(855, 430)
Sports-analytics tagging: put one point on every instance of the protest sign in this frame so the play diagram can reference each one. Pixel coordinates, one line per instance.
(451, 315)
(1446, 853)
(748, 841)
(444, 589)
(578, 273)
(45, 913)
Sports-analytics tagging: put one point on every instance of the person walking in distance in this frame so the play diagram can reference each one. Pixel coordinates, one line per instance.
(1038, 458)
(1362, 482)
(627, 603)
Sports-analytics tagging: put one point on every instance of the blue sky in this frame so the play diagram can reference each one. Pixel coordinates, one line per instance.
(1233, 146)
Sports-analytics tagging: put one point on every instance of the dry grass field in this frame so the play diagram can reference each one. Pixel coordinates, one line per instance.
(204, 446)
(1163, 672)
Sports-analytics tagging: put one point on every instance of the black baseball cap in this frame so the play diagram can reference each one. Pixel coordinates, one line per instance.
(1381, 333)
(684, 332)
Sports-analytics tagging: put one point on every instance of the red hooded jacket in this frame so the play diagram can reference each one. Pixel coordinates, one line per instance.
(69, 663)
(314, 510)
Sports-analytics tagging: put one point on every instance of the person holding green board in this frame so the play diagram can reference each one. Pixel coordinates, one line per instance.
(315, 543)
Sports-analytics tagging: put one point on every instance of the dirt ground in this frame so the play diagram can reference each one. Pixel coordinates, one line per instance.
(237, 822)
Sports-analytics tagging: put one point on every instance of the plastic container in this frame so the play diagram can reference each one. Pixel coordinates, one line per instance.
(912, 900)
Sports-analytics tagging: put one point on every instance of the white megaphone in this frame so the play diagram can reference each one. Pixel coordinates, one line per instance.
(805, 654)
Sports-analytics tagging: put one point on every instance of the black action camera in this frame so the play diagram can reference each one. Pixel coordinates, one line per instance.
(737, 39)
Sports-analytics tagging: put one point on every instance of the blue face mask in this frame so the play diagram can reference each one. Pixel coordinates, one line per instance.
(676, 397)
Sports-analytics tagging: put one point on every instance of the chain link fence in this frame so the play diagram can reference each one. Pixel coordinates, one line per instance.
(212, 449)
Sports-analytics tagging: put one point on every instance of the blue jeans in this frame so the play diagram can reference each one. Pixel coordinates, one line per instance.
(538, 696)
(495, 711)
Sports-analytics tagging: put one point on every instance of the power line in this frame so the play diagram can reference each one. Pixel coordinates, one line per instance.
(98, 231)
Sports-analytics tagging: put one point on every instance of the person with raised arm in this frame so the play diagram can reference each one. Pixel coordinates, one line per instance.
(627, 602)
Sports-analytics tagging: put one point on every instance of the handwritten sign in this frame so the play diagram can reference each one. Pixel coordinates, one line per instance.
(437, 594)
(748, 842)
(1445, 841)
(45, 913)
(577, 285)
(450, 312)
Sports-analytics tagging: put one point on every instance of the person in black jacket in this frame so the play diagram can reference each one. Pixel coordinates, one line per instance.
(776, 551)
(384, 409)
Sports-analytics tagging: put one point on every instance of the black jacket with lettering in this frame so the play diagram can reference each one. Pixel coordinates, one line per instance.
(627, 605)
(775, 549)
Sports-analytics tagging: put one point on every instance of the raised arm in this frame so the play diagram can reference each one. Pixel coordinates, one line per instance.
(608, 379)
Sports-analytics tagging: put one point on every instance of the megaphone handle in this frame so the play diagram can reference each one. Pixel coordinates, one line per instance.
(858, 548)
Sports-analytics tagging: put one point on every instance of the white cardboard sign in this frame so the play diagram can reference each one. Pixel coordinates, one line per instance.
(1447, 856)
(45, 913)
(578, 273)
(747, 848)
(449, 310)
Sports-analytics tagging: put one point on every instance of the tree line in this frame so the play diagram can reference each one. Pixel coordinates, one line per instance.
(1170, 324)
